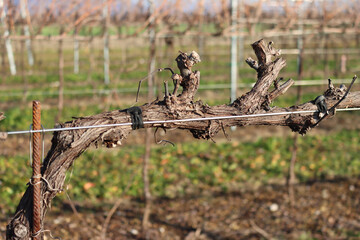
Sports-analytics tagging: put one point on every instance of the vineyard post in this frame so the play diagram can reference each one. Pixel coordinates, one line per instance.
(234, 6)
(300, 44)
(241, 37)
(22, 69)
(91, 55)
(147, 155)
(25, 17)
(105, 16)
(234, 53)
(6, 36)
(61, 75)
(201, 39)
(76, 47)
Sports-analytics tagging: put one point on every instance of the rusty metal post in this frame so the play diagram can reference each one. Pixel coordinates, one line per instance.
(36, 178)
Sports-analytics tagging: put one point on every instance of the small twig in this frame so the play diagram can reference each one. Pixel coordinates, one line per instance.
(50, 188)
(162, 141)
(167, 68)
(252, 63)
(165, 142)
(345, 95)
(165, 82)
(176, 80)
(166, 89)
(151, 74)
(225, 134)
(71, 203)
(332, 109)
(116, 206)
(137, 93)
(272, 50)
(259, 230)
(72, 206)
(35, 235)
(279, 90)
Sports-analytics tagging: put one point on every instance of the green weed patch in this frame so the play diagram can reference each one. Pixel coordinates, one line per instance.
(191, 167)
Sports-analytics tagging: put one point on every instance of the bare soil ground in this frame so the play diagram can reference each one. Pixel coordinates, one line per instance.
(323, 210)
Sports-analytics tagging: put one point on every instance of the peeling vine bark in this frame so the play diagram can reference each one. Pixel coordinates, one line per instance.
(68, 145)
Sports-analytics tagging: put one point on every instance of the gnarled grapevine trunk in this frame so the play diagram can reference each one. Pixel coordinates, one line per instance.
(68, 145)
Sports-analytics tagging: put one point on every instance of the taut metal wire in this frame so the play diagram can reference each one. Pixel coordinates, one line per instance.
(174, 121)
